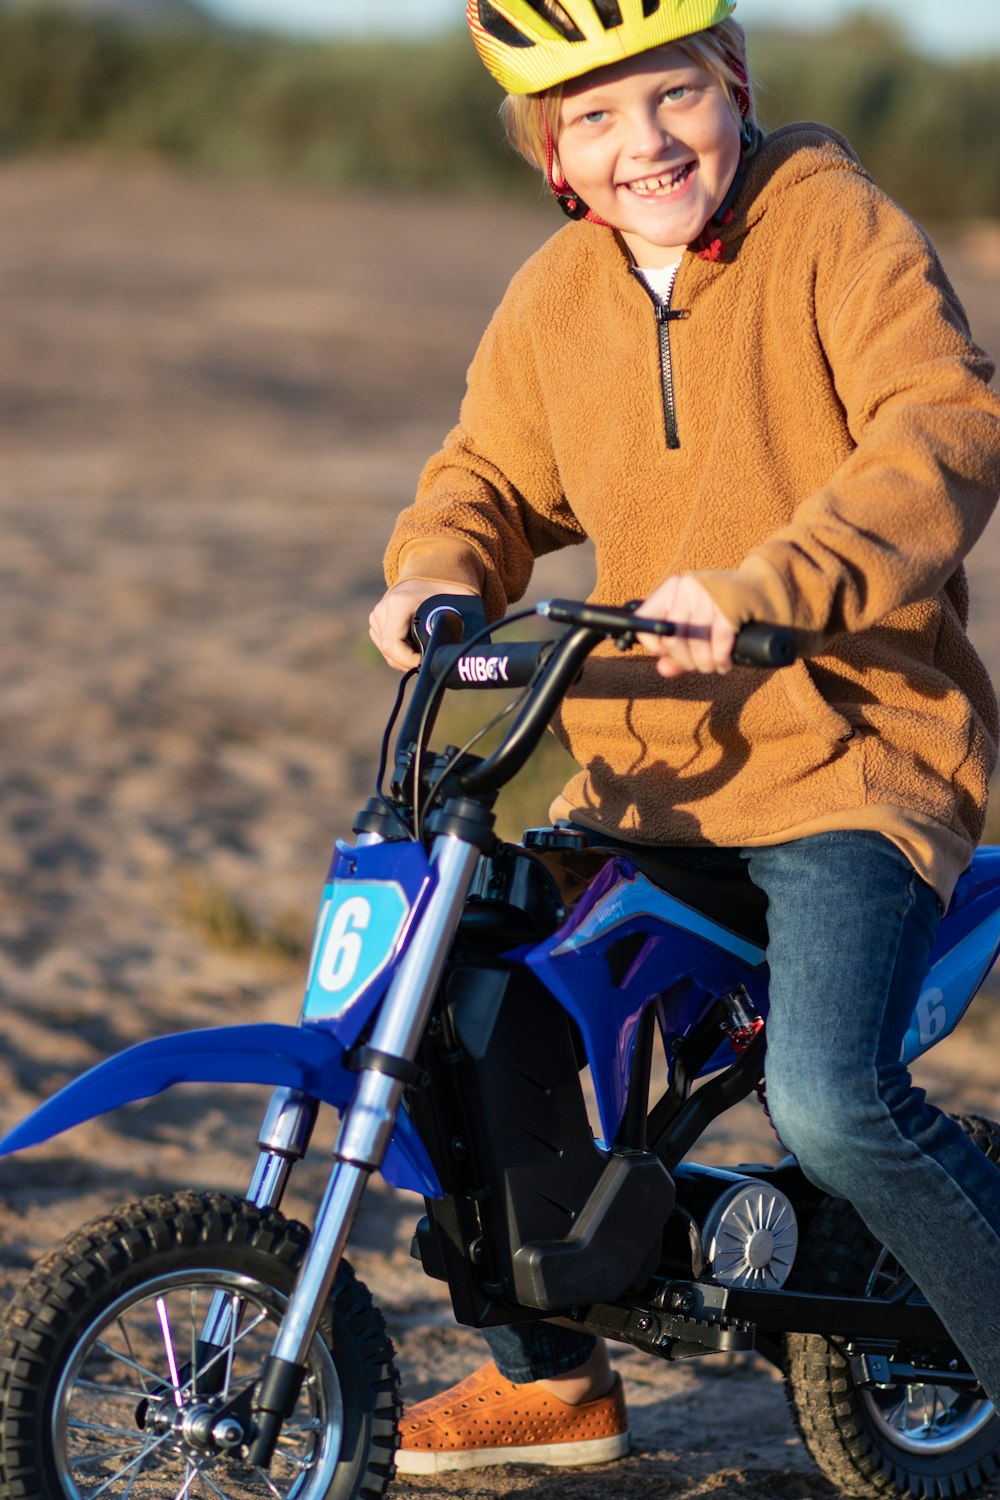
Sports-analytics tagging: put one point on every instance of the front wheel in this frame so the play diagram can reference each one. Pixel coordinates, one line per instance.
(109, 1388)
(901, 1440)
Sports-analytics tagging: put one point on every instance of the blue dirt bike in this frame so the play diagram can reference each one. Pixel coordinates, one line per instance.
(203, 1345)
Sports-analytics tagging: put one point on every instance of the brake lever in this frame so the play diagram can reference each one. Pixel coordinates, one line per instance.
(757, 644)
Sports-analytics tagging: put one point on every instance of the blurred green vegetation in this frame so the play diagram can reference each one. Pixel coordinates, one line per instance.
(423, 115)
(928, 131)
(223, 921)
(234, 102)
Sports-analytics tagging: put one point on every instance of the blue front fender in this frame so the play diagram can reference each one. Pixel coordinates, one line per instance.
(301, 1057)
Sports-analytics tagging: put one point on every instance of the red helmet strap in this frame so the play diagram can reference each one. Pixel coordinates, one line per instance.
(571, 203)
(742, 89)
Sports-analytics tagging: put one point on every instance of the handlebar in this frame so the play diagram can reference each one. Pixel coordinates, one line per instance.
(444, 620)
(456, 617)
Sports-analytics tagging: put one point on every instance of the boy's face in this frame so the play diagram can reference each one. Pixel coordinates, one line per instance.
(651, 144)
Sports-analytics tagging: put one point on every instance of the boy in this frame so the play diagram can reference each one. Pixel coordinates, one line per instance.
(743, 374)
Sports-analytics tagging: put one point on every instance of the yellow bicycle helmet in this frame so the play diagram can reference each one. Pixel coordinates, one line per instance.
(531, 45)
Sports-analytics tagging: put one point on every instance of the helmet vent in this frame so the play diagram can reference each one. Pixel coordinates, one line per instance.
(608, 13)
(498, 26)
(649, 8)
(553, 12)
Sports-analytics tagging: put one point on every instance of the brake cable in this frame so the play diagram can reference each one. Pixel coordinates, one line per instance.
(383, 759)
(473, 739)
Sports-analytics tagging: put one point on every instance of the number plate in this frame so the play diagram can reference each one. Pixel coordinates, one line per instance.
(359, 925)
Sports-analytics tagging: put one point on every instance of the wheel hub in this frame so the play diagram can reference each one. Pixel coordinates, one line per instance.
(201, 1427)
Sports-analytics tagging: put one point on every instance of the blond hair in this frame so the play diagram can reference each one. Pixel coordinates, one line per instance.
(525, 116)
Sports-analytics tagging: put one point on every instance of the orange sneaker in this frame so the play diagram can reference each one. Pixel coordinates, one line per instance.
(486, 1420)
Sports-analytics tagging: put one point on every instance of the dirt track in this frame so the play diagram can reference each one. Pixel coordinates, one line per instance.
(213, 400)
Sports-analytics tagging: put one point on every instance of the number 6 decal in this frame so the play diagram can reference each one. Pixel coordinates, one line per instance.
(359, 924)
(342, 951)
(931, 1016)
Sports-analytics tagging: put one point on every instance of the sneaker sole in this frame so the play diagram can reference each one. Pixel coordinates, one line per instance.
(550, 1455)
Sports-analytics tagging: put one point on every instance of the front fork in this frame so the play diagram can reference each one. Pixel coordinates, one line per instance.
(365, 1132)
(283, 1140)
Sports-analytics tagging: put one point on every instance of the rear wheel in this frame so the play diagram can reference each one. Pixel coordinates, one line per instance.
(107, 1387)
(913, 1440)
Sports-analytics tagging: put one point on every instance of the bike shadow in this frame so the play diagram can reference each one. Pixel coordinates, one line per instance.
(641, 1476)
(717, 1428)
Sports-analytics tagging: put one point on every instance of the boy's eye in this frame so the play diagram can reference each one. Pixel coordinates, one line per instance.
(677, 92)
(595, 116)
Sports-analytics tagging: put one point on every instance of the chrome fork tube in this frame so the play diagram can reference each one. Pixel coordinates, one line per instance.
(283, 1139)
(368, 1121)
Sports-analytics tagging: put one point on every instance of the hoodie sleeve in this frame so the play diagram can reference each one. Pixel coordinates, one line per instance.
(894, 521)
(491, 500)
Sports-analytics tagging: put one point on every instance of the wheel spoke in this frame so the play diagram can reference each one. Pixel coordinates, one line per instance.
(123, 1330)
(131, 1484)
(192, 1321)
(80, 1427)
(272, 1488)
(102, 1455)
(213, 1486)
(294, 1462)
(133, 1467)
(234, 1318)
(111, 1392)
(143, 1372)
(185, 1488)
(896, 1415)
(244, 1333)
(168, 1345)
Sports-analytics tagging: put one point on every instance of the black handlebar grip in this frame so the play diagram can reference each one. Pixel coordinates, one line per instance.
(457, 616)
(764, 646)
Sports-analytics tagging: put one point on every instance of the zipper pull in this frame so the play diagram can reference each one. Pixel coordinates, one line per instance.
(667, 314)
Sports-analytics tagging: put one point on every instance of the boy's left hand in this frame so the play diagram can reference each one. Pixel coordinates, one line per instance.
(708, 647)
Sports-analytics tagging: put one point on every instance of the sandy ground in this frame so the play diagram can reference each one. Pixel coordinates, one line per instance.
(213, 400)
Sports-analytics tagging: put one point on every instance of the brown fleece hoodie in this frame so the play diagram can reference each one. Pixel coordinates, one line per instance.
(839, 453)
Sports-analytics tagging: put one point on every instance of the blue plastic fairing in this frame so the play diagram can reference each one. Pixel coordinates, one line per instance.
(372, 897)
(681, 960)
(303, 1057)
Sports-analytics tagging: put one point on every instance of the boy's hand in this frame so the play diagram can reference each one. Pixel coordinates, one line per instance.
(389, 622)
(708, 647)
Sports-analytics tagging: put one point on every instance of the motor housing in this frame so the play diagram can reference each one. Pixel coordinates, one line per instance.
(750, 1236)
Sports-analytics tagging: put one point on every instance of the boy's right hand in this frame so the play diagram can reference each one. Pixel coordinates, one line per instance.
(389, 622)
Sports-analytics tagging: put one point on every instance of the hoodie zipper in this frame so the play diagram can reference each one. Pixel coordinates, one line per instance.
(665, 315)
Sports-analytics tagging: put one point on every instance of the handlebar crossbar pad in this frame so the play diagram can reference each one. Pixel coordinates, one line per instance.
(510, 666)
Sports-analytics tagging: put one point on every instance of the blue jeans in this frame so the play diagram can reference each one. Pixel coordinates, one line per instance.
(850, 926)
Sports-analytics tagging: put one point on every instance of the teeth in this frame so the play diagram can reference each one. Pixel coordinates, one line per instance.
(649, 186)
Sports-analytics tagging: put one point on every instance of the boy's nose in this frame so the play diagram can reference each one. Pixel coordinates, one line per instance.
(648, 137)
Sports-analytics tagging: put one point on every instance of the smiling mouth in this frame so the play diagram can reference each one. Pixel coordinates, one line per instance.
(662, 185)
